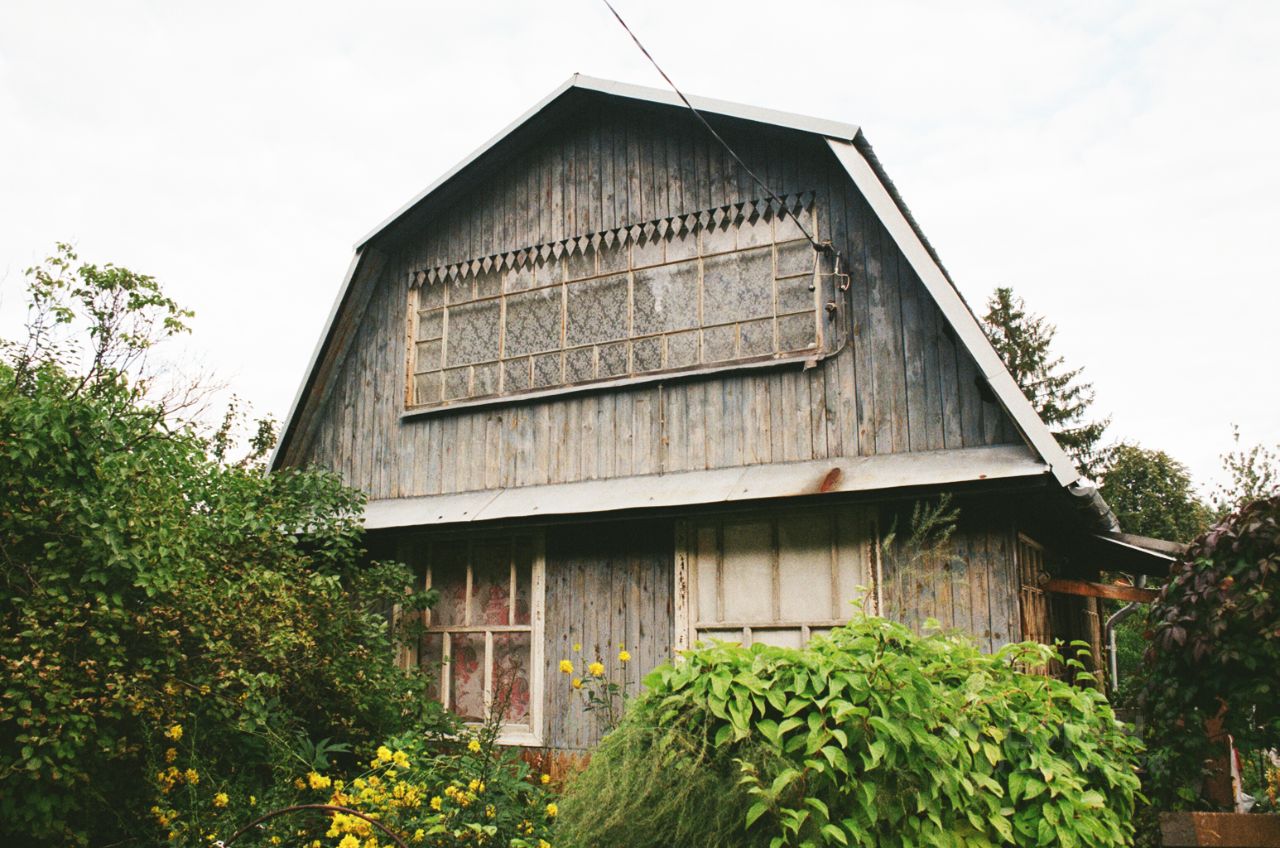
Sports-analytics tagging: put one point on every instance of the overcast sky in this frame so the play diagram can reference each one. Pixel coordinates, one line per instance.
(1116, 163)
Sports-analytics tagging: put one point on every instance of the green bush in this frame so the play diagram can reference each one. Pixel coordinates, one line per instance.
(1214, 652)
(159, 606)
(873, 736)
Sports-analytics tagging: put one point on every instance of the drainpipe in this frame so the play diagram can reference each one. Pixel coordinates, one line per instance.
(1117, 617)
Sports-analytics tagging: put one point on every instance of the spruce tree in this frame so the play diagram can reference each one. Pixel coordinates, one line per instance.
(1023, 340)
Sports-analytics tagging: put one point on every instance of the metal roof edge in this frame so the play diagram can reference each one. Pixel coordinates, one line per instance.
(738, 484)
(956, 311)
(294, 408)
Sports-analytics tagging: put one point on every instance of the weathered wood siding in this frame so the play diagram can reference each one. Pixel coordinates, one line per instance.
(900, 384)
(608, 585)
(970, 585)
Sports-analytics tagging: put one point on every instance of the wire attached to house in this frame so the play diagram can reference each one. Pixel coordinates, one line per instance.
(819, 246)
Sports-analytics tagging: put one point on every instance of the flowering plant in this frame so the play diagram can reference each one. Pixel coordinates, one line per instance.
(604, 695)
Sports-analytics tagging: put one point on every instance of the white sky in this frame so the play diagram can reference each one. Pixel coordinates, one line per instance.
(1116, 163)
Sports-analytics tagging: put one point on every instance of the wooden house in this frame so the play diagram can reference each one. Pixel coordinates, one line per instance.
(602, 388)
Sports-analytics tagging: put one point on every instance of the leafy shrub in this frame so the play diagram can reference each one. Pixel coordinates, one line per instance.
(1214, 651)
(873, 736)
(145, 585)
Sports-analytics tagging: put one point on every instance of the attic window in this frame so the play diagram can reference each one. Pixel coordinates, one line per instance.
(735, 286)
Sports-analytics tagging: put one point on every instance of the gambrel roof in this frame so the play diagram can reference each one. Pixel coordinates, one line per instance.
(854, 154)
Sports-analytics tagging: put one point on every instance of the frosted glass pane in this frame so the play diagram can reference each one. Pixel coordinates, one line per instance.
(666, 298)
(597, 311)
(756, 337)
(804, 567)
(794, 295)
(790, 637)
(737, 286)
(748, 572)
(796, 257)
(428, 358)
(705, 562)
(472, 333)
(533, 322)
(646, 354)
(797, 332)
(580, 365)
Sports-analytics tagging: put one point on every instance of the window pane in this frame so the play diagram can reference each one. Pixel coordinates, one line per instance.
(597, 311)
(491, 583)
(666, 298)
(533, 322)
(737, 286)
(748, 572)
(473, 333)
(784, 638)
(449, 578)
(511, 661)
(466, 668)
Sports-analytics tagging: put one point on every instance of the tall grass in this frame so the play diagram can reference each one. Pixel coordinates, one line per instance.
(656, 787)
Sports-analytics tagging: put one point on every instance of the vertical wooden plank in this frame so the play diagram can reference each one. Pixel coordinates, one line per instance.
(606, 133)
(913, 355)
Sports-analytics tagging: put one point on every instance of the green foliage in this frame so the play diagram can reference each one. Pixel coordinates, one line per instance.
(1023, 341)
(874, 736)
(1214, 651)
(439, 789)
(1252, 472)
(1152, 495)
(145, 584)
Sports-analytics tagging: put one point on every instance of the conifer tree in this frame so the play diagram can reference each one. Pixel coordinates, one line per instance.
(1023, 340)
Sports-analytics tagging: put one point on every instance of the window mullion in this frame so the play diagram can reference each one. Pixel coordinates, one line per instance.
(488, 671)
(446, 670)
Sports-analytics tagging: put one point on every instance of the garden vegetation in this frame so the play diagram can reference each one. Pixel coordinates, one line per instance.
(874, 736)
(188, 641)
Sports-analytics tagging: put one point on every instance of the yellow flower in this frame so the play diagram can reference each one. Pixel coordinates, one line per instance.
(436, 802)
(318, 781)
(552, 809)
(577, 646)
(299, 783)
(546, 778)
(192, 776)
(220, 800)
(349, 841)
(384, 754)
(624, 655)
(596, 669)
(489, 811)
(474, 746)
(542, 843)
(170, 755)
(566, 666)
(400, 759)
(577, 683)
(419, 835)
(174, 732)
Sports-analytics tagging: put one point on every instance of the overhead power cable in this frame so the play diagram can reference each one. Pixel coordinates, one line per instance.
(819, 246)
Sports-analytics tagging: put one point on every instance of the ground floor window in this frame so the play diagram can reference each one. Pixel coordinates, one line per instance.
(484, 636)
(779, 577)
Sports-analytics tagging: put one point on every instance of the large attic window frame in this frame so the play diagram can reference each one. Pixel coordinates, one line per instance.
(735, 287)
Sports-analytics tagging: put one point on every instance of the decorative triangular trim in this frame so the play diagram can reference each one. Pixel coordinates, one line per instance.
(717, 218)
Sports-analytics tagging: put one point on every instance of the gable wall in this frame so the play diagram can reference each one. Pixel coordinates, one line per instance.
(899, 385)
